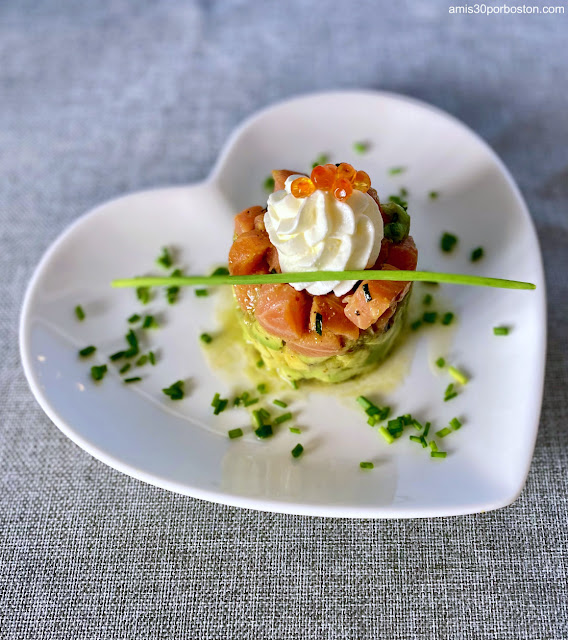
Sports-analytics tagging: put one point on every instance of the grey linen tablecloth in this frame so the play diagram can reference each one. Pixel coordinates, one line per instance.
(98, 99)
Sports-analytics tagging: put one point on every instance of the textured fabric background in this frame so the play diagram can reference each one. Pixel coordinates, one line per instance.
(101, 98)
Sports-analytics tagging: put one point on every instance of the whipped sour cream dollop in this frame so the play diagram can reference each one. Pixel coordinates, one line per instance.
(321, 233)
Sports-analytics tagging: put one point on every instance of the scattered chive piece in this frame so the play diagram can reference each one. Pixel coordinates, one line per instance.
(142, 360)
(175, 391)
(205, 337)
(323, 158)
(396, 170)
(245, 396)
(427, 299)
(438, 454)
(215, 400)
(501, 331)
(294, 430)
(264, 432)
(257, 418)
(386, 435)
(264, 413)
(450, 396)
(220, 271)
(262, 388)
(279, 403)
(283, 418)
(364, 402)
(417, 425)
(235, 433)
(319, 324)
(201, 293)
(447, 318)
(360, 147)
(416, 325)
(400, 201)
(221, 406)
(366, 465)
(117, 356)
(430, 317)
(403, 192)
(87, 351)
(415, 439)
(367, 293)
(440, 362)
(293, 384)
(132, 340)
(129, 380)
(237, 401)
(152, 358)
(455, 424)
(297, 451)
(423, 441)
(457, 375)
(124, 368)
(134, 318)
(260, 364)
(449, 393)
(98, 372)
(372, 421)
(433, 195)
(442, 433)
(143, 294)
(426, 429)
(172, 293)
(433, 446)
(79, 313)
(477, 254)
(165, 259)
(448, 242)
(249, 403)
(269, 183)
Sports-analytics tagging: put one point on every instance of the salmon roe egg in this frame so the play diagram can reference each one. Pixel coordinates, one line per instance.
(302, 187)
(342, 188)
(323, 176)
(346, 172)
(362, 182)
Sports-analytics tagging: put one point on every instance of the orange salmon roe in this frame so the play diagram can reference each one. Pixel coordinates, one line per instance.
(362, 182)
(342, 188)
(302, 187)
(323, 176)
(346, 172)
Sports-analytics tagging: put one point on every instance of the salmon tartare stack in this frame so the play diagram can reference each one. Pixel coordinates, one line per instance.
(331, 220)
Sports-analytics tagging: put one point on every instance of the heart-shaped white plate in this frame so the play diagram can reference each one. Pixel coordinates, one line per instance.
(183, 447)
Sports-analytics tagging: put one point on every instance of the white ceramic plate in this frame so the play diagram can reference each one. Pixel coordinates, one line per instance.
(182, 447)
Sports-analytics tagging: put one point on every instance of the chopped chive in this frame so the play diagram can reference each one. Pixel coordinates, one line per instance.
(438, 454)
(293, 384)
(79, 313)
(433, 195)
(249, 403)
(201, 293)
(440, 362)
(420, 440)
(220, 271)
(427, 299)
(366, 465)
(134, 318)
(319, 324)
(426, 429)
(450, 396)
(430, 317)
(215, 400)
(406, 419)
(457, 375)
(417, 425)
(172, 294)
(367, 293)
(433, 446)
(360, 147)
(403, 192)
(257, 418)
(175, 391)
(221, 406)
(260, 364)
(416, 325)
(269, 183)
(264, 432)
(448, 242)
(279, 403)
(455, 424)
(206, 338)
(365, 402)
(262, 388)
(297, 451)
(142, 360)
(264, 413)
(477, 254)
(245, 395)
(117, 356)
(143, 294)
(386, 435)
(401, 203)
(283, 418)
(129, 380)
(235, 433)
(237, 401)
(294, 430)
(152, 358)
(323, 158)
(87, 351)
(98, 372)
(442, 433)
(165, 259)
(501, 331)
(124, 368)
(447, 318)
(393, 171)
(372, 420)
(449, 393)
(132, 340)
(395, 424)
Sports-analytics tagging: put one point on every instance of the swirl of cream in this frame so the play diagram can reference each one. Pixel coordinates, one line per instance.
(321, 233)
